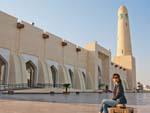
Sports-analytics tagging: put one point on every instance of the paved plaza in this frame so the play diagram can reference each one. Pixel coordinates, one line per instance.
(13, 106)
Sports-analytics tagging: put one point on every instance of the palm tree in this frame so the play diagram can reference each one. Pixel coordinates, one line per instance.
(66, 86)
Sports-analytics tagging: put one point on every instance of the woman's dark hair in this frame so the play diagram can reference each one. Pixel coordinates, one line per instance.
(116, 75)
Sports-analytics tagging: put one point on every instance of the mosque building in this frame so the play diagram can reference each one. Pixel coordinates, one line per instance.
(31, 57)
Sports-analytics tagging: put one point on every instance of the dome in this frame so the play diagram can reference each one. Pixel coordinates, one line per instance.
(122, 9)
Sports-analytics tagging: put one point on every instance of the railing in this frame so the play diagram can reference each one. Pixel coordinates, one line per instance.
(12, 86)
(6, 87)
(39, 85)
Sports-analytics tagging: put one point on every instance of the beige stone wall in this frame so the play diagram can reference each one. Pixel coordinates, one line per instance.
(91, 62)
(98, 56)
(30, 40)
(128, 62)
(28, 45)
(105, 56)
(7, 31)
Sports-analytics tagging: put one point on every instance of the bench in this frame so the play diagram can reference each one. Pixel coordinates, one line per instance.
(121, 108)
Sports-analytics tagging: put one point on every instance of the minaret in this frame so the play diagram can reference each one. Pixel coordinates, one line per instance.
(124, 55)
(124, 41)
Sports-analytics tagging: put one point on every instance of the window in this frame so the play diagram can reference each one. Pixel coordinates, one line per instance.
(99, 77)
(3, 70)
(84, 76)
(71, 76)
(126, 15)
(121, 16)
(99, 71)
(122, 51)
(54, 75)
(126, 24)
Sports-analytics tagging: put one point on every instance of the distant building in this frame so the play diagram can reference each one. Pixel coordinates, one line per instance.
(30, 57)
(140, 87)
(147, 87)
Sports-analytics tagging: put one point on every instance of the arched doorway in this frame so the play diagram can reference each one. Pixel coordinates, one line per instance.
(84, 77)
(54, 76)
(99, 77)
(3, 70)
(71, 77)
(31, 73)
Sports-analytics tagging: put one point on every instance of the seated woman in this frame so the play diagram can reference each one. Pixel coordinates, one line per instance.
(118, 95)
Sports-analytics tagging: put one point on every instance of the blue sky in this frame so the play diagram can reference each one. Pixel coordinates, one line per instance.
(82, 21)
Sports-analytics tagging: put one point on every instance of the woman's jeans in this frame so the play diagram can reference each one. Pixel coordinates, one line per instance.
(107, 103)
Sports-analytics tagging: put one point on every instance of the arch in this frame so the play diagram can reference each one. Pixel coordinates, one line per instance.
(99, 77)
(62, 77)
(81, 78)
(71, 77)
(3, 70)
(31, 73)
(90, 81)
(84, 78)
(54, 76)
(77, 80)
